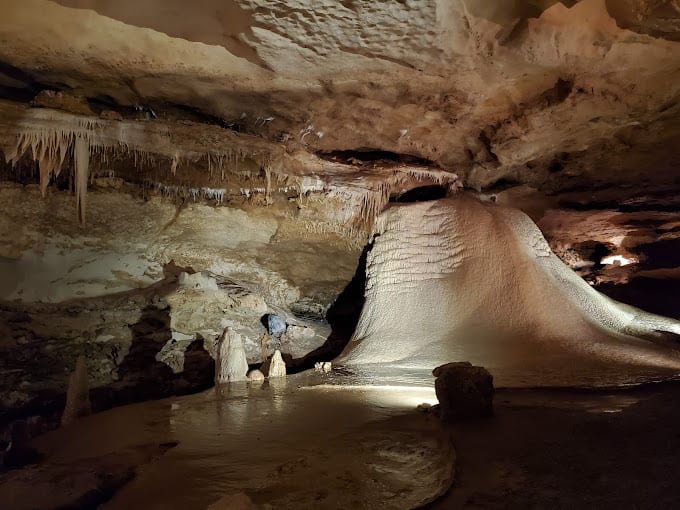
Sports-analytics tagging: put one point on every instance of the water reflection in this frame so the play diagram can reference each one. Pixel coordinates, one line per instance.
(306, 441)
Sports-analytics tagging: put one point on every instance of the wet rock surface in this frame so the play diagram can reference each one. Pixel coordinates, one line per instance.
(233, 157)
(344, 447)
(138, 345)
(146, 326)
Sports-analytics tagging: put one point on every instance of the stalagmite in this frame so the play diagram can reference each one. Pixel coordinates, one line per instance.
(277, 368)
(232, 364)
(323, 366)
(255, 376)
(456, 279)
(77, 395)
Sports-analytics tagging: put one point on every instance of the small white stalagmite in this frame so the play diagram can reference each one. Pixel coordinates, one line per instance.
(277, 368)
(232, 364)
(77, 395)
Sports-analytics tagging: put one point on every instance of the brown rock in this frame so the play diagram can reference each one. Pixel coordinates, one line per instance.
(464, 391)
(62, 101)
(238, 501)
(110, 115)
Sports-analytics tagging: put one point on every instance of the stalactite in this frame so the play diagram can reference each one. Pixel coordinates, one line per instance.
(81, 157)
(50, 136)
(175, 163)
(268, 186)
(48, 148)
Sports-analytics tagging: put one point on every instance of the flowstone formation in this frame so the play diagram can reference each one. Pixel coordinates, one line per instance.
(457, 279)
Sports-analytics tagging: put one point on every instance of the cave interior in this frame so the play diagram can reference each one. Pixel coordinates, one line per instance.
(271, 254)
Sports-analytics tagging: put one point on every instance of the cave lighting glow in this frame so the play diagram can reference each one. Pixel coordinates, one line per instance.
(389, 396)
(619, 260)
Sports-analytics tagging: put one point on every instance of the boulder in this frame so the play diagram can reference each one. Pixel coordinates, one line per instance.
(276, 326)
(464, 391)
(301, 340)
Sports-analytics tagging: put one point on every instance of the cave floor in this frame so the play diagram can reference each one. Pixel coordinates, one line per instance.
(571, 449)
(312, 442)
(301, 442)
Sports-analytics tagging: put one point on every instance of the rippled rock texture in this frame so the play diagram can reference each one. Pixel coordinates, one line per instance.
(488, 289)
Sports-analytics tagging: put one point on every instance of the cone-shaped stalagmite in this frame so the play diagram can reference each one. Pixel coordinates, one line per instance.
(78, 394)
(232, 364)
(277, 368)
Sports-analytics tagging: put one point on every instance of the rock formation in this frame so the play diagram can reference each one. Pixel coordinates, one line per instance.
(463, 391)
(188, 189)
(255, 376)
(323, 366)
(232, 365)
(276, 326)
(456, 278)
(277, 367)
(78, 394)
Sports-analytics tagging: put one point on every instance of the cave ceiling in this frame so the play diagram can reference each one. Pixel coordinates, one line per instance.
(561, 96)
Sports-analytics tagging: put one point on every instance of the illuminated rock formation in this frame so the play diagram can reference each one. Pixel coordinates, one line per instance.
(232, 365)
(457, 279)
(277, 367)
